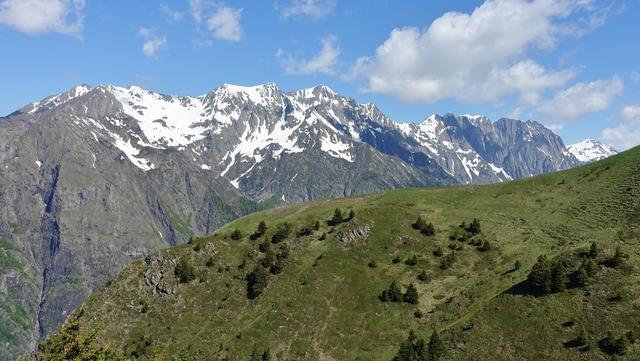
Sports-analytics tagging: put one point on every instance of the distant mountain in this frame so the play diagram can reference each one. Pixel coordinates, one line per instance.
(591, 150)
(95, 176)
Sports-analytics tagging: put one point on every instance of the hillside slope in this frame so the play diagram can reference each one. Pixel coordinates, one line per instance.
(322, 302)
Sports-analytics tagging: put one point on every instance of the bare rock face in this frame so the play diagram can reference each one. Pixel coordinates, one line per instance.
(159, 275)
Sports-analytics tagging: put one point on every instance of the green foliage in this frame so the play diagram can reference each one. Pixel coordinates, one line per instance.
(436, 347)
(594, 250)
(373, 264)
(337, 217)
(316, 226)
(260, 231)
(423, 276)
(70, 344)
(582, 277)
(411, 261)
(617, 259)
(517, 265)
(236, 235)
(322, 237)
(411, 295)
(559, 277)
(540, 275)
(419, 224)
(438, 252)
(352, 215)
(412, 349)
(474, 227)
(428, 230)
(184, 271)
(392, 294)
(283, 231)
(448, 261)
(257, 282)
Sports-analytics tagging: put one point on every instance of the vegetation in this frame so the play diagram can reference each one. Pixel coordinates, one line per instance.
(184, 271)
(320, 302)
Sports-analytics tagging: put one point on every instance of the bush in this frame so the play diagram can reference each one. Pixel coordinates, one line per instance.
(392, 294)
(411, 261)
(210, 263)
(428, 230)
(236, 235)
(184, 271)
(337, 218)
(323, 236)
(257, 282)
(486, 246)
(352, 215)
(423, 276)
(448, 261)
(316, 226)
(396, 260)
(438, 252)
(594, 250)
(540, 275)
(474, 228)
(411, 295)
(419, 224)
(260, 231)
(283, 231)
(305, 231)
(373, 264)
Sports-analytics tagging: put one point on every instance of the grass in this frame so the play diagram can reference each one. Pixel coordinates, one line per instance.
(324, 305)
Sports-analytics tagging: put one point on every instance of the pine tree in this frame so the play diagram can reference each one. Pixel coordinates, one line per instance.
(428, 230)
(517, 265)
(594, 250)
(436, 347)
(184, 271)
(236, 235)
(540, 275)
(583, 337)
(394, 293)
(411, 261)
(316, 226)
(257, 282)
(323, 236)
(618, 258)
(591, 266)
(423, 276)
(474, 227)
(352, 214)
(337, 217)
(582, 277)
(419, 224)
(411, 296)
(559, 277)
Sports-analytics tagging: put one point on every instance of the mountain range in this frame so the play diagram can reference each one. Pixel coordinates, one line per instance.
(96, 176)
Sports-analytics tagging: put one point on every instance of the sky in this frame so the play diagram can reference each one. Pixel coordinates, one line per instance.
(571, 65)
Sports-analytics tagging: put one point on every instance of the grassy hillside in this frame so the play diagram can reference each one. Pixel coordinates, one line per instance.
(323, 301)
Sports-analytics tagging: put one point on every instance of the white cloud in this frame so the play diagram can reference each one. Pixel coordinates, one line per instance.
(631, 113)
(152, 42)
(324, 62)
(626, 134)
(173, 15)
(477, 57)
(225, 24)
(318, 9)
(42, 16)
(222, 21)
(623, 136)
(581, 99)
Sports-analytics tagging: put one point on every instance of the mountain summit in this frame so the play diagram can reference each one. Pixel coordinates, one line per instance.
(591, 150)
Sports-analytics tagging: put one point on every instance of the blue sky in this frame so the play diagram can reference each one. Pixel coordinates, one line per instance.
(569, 64)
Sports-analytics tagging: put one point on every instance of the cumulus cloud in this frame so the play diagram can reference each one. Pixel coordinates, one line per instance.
(42, 16)
(224, 22)
(324, 62)
(318, 9)
(152, 42)
(627, 133)
(477, 57)
(581, 99)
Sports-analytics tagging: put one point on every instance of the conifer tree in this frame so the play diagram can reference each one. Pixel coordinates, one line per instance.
(594, 250)
(559, 277)
(394, 293)
(419, 224)
(236, 235)
(582, 277)
(352, 214)
(540, 275)
(428, 230)
(316, 225)
(436, 347)
(257, 282)
(411, 296)
(337, 217)
(184, 271)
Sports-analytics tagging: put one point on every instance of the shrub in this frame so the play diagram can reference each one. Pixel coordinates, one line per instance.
(540, 275)
(323, 236)
(316, 226)
(337, 217)
(411, 261)
(419, 224)
(438, 252)
(485, 246)
(428, 230)
(305, 231)
(392, 294)
(594, 250)
(423, 276)
(184, 271)
(436, 347)
(411, 295)
(352, 215)
(260, 231)
(373, 264)
(210, 263)
(236, 235)
(396, 260)
(257, 282)
(283, 231)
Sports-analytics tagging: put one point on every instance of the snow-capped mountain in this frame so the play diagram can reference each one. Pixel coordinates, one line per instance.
(591, 150)
(95, 176)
